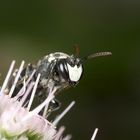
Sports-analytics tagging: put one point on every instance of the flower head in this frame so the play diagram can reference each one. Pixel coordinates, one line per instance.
(18, 121)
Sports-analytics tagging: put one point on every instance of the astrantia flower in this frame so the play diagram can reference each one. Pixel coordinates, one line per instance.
(18, 121)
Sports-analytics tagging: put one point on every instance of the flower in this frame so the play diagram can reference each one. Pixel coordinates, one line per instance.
(18, 121)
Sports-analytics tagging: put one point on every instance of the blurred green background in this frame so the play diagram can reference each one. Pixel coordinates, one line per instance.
(108, 95)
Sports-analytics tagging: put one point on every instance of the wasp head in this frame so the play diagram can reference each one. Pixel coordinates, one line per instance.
(69, 69)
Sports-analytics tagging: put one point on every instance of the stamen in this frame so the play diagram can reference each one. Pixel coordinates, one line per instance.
(21, 92)
(45, 110)
(7, 77)
(63, 113)
(46, 102)
(38, 109)
(68, 137)
(27, 93)
(46, 107)
(26, 103)
(24, 85)
(59, 133)
(33, 92)
(94, 134)
(16, 78)
(23, 99)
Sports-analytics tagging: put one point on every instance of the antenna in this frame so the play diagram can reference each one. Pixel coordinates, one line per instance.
(77, 49)
(94, 55)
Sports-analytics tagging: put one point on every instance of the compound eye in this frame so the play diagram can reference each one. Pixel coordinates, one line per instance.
(62, 70)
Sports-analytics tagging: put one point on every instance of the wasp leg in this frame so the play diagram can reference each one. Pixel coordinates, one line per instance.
(53, 106)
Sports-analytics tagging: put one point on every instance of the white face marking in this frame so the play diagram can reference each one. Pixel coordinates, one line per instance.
(75, 72)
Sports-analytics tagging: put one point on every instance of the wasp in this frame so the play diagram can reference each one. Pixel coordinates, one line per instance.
(58, 70)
